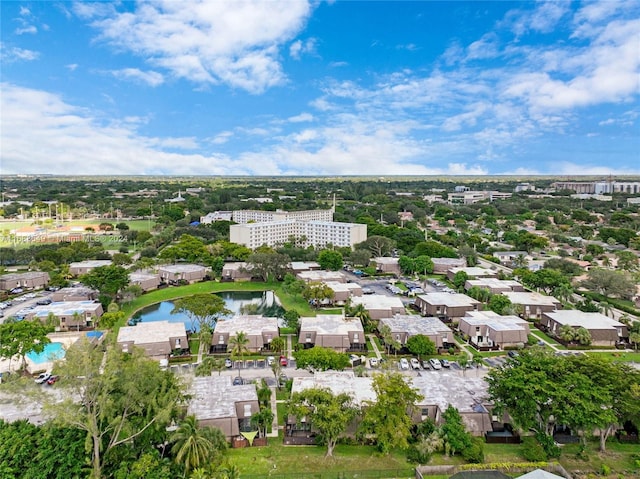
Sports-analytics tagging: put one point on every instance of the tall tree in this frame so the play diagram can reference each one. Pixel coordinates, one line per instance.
(388, 418)
(196, 446)
(321, 359)
(109, 280)
(377, 245)
(317, 293)
(268, 265)
(329, 414)
(202, 309)
(421, 345)
(238, 344)
(456, 437)
(610, 283)
(330, 260)
(116, 398)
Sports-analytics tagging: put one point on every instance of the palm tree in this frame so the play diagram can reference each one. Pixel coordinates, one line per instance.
(277, 345)
(567, 333)
(606, 308)
(238, 345)
(583, 336)
(359, 311)
(230, 471)
(563, 293)
(208, 365)
(194, 447)
(634, 338)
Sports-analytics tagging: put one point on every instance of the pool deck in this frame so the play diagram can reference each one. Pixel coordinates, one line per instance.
(67, 339)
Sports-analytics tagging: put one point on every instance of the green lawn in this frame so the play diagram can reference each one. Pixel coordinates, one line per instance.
(299, 461)
(620, 356)
(194, 346)
(540, 335)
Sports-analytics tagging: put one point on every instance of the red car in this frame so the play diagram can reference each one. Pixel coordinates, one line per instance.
(52, 380)
(283, 361)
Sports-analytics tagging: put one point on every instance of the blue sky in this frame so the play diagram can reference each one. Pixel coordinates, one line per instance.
(320, 88)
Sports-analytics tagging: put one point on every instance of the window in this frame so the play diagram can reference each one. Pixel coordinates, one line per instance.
(247, 410)
(308, 337)
(424, 411)
(221, 339)
(177, 343)
(356, 338)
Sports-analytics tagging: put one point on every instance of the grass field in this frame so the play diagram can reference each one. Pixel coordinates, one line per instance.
(276, 460)
(298, 461)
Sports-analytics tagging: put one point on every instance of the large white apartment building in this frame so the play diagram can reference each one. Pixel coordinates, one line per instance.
(308, 233)
(599, 187)
(258, 216)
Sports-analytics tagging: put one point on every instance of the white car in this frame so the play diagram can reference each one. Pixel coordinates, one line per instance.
(404, 364)
(415, 364)
(373, 362)
(435, 363)
(271, 360)
(43, 378)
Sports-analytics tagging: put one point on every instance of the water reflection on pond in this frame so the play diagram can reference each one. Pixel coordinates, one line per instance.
(264, 303)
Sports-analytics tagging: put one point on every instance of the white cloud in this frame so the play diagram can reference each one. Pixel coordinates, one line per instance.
(9, 54)
(31, 29)
(43, 134)
(221, 138)
(71, 67)
(543, 18)
(299, 48)
(412, 47)
(151, 78)
(236, 43)
(302, 117)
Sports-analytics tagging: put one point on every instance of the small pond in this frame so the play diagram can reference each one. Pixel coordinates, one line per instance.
(264, 303)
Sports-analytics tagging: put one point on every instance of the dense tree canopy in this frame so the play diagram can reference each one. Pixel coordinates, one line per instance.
(321, 359)
(539, 389)
(388, 418)
(329, 414)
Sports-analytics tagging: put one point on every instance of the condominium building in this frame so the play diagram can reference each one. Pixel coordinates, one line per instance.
(599, 187)
(309, 233)
(258, 216)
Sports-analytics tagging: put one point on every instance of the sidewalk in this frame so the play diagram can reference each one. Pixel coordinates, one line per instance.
(374, 346)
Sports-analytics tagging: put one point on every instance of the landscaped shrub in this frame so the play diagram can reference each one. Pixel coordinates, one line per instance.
(475, 453)
(548, 444)
(532, 450)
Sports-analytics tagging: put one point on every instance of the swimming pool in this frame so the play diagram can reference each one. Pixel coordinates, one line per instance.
(52, 351)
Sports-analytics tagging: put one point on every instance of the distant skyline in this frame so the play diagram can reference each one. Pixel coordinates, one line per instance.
(320, 88)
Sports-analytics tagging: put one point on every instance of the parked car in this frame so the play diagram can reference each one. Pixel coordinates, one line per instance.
(373, 362)
(43, 378)
(513, 354)
(270, 360)
(237, 381)
(228, 363)
(52, 380)
(435, 363)
(415, 364)
(283, 361)
(445, 363)
(404, 364)
(282, 380)
(425, 364)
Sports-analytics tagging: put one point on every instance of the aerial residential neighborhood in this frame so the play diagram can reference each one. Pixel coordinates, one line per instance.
(245, 355)
(320, 239)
